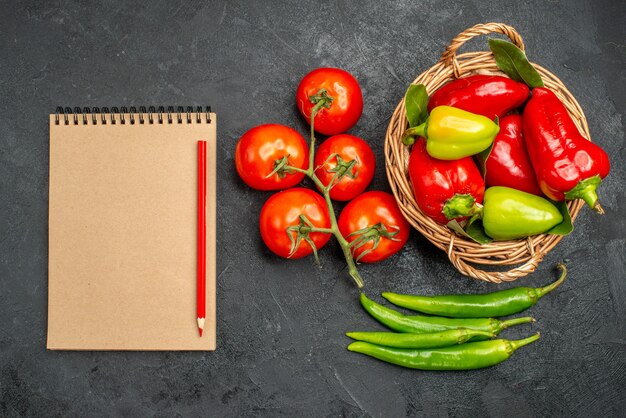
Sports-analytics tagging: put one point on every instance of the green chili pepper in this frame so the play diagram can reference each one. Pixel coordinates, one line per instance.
(452, 133)
(501, 303)
(512, 214)
(462, 357)
(428, 340)
(420, 323)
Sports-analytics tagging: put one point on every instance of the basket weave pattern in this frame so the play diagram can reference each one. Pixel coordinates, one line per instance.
(467, 255)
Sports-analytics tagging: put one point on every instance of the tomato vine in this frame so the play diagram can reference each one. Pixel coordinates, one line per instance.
(323, 100)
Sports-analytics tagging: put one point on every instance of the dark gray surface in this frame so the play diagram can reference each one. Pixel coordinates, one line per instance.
(281, 349)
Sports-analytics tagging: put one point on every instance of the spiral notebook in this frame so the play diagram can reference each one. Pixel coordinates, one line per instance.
(122, 229)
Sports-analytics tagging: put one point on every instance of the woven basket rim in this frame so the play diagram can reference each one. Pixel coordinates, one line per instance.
(465, 254)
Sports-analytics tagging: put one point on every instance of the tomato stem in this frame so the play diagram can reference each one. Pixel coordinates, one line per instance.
(302, 231)
(334, 228)
(281, 167)
(298, 170)
(342, 169)
(371, 234)
(322, 230)
(316, 108)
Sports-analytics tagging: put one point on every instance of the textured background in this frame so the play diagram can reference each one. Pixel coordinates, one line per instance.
(281, 349)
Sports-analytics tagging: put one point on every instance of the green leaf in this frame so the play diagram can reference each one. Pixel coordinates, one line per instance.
(473, 230)
(481, 159)
(416, 102)
(476, 231)
(565, 227)
(514, 63)
(456, 227)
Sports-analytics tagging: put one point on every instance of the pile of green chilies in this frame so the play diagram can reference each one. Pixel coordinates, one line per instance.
(458, 335)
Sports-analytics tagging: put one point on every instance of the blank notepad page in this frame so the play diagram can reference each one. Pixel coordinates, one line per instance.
(122, 232)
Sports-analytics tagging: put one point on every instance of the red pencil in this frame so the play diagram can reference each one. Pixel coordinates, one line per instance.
(201, 273)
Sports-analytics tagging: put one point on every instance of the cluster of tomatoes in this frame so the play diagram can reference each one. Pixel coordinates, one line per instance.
(298, 221)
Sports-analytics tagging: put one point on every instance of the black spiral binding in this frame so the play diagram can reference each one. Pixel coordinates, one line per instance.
(123, 115)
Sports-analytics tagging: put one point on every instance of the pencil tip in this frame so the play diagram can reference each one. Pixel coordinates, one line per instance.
(200, 325)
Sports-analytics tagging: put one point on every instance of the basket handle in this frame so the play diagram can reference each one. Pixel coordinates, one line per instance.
(449, 55)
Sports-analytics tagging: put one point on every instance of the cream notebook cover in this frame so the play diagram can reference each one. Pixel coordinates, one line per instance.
(122, 230)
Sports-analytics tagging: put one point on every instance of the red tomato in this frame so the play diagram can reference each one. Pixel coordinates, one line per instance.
(283, 210)
(346, 107)
(346, 148)
(262, 147)
(379, 212)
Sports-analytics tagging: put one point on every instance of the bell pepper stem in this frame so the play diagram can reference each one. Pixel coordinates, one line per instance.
(586, 190)
(591, 198)
(408, 137)
(460, 206)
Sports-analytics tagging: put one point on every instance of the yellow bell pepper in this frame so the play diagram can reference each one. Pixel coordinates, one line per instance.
(452, 133)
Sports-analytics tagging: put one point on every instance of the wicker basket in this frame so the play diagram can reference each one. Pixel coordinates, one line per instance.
(466, 255)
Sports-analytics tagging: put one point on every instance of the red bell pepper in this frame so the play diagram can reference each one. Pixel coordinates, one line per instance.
(445, 190)
(508, 163)
(487, 95)
(567, 165)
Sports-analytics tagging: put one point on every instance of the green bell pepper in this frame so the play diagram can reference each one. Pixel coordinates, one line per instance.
(452, 133)
(511, 214)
